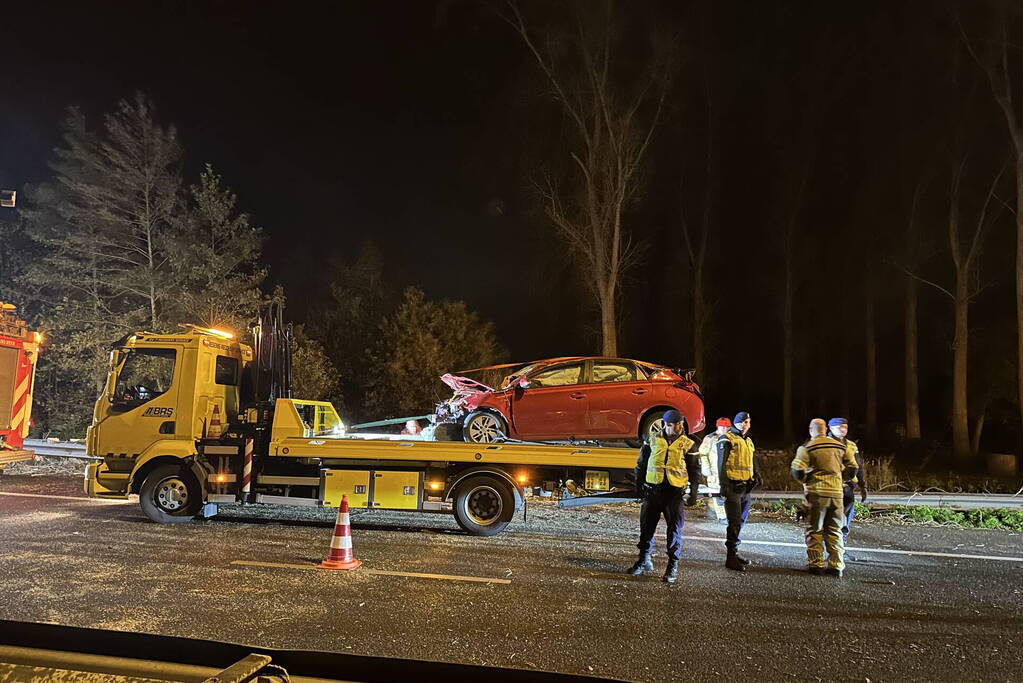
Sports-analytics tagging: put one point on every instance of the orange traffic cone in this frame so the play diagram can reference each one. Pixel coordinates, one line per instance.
(341, 555)
(216, 429)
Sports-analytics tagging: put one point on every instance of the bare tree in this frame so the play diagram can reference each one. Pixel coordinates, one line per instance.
(991, 51)
(870, 348)
(910, 322)
(788, 240)
(612, 117)
(697, 240)
(965, 256)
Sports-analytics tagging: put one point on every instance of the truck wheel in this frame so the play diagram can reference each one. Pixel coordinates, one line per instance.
(484, 505)
(484, 427)
(170, 495)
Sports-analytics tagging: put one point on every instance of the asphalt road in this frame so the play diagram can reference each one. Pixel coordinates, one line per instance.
(553, 594)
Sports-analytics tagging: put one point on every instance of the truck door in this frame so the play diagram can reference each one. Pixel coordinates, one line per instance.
(141, 401)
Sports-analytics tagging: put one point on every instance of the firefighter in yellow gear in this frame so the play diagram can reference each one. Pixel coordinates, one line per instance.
(709, 466)
(664, 472)
(823, 464)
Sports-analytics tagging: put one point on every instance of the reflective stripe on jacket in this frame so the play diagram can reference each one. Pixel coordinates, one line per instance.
(668, 459)
(823, 459)
(739, 460)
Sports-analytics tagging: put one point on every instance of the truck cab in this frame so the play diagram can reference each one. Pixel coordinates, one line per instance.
(163, 393)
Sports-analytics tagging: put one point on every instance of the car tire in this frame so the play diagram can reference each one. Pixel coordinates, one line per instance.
(484, 505)
(170, 494)
(649, 424)
(484, 427)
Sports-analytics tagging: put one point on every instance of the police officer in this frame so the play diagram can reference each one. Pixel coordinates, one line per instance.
(709, 466)
(839, 427)
(738, 479)
(663, 473)
(822, 464)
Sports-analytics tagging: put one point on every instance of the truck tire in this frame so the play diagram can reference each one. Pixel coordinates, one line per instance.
(484, 427)
(484, 505)
(170, 494)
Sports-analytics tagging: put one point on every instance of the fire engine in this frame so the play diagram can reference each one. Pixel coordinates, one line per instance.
(19, 350)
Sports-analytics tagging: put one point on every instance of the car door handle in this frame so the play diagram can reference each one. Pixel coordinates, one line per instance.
(639, 391)
(577, 395)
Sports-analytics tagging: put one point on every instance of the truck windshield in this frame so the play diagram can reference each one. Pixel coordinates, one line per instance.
(144, 375)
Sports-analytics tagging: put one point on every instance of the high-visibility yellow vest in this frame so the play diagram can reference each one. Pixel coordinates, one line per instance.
(851, 449)
(739, 463)
(668, 459)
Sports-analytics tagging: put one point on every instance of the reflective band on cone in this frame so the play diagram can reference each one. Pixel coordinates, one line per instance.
(341, 555)
(247, 471)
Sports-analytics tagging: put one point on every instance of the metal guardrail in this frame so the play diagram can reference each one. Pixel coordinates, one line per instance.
(59, 449)
(65, 449)
(933, 499)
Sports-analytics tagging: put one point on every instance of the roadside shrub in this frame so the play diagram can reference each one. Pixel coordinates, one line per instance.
(861, 509)
(784, 507)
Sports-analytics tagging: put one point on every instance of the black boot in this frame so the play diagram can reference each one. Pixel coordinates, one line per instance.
(644, 564)
(671, 573)
(742, 560)
(733, 563)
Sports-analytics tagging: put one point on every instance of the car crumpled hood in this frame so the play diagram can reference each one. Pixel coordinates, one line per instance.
(464, 385)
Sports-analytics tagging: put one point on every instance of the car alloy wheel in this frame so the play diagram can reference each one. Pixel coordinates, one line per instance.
(484, 428)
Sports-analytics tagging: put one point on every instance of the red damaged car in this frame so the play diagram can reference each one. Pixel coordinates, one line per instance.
(577, 398)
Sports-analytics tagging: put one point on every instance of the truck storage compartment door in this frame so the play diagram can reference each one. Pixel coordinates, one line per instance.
(397, 490)
(354, 483)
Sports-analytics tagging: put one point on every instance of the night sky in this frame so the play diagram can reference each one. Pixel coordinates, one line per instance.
(411, 124)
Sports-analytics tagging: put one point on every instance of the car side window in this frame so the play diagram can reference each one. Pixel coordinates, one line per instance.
(557, 377)
(614, 372)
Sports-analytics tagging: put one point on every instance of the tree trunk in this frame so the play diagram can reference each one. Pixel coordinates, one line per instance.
(912, 391)
(786, 323)
(871, 348)
(846, 399)
(960, 348)
(608, 328)
(1019, 278)
(699, 318)
(978, 424)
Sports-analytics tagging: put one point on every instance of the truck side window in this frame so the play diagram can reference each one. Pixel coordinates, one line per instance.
(145, 374)
(226, 371)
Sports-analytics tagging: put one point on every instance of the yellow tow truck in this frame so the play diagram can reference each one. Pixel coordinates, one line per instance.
(192, 420)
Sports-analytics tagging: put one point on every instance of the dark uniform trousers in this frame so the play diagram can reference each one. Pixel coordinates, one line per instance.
(666, 500)
(849, 506)
(737, 505)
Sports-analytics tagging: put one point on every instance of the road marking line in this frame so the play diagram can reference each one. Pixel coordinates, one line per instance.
(44, 495)
(381, 572)
(888, 551)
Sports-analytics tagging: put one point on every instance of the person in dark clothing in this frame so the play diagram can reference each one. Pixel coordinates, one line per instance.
(665, 470)
(738, 475)
(839, 427)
